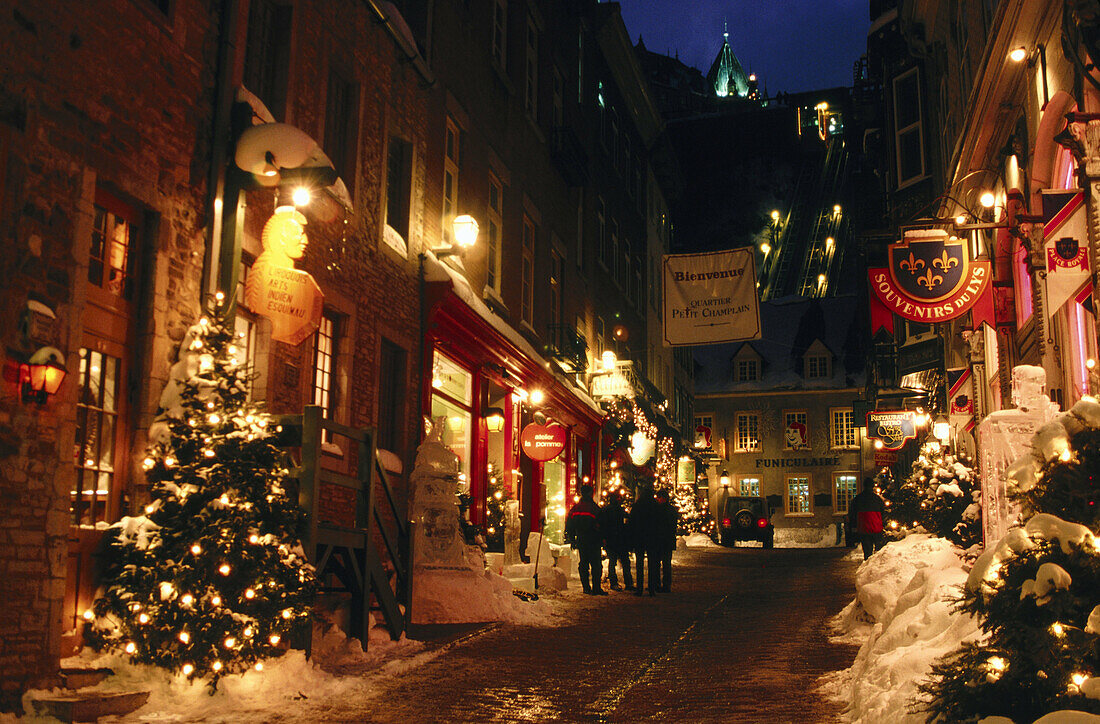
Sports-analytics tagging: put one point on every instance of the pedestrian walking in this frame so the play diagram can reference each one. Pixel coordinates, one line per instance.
(582, 532)
(616, 541)
(644, 524)
(865, 516)
(667, 519)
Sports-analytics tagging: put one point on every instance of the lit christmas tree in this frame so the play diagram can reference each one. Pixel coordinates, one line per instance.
(694, 514)
(1036, 592)
(946, 485)
(902, 503)
(213, 578)
(494, 510)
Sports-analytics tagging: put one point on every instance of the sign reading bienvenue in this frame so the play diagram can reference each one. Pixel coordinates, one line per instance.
(710, 297)
(931, 277)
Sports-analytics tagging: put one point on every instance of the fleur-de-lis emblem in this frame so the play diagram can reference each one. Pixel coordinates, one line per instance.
(945, 262)
(912, 264)
(929, 279)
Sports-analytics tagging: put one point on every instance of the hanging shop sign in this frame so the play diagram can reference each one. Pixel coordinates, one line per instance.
(893, 428)
(930, 278)
(710, 297)
(1065, 237)
(885, 458)
(289, 297)
(543, 442)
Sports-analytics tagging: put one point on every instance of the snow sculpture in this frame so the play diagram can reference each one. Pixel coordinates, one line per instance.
(1003, 437)
(439, 544)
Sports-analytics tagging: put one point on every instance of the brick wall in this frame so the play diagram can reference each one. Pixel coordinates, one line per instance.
(89, 96)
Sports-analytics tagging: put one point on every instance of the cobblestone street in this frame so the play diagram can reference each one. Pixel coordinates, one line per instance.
(740, 639)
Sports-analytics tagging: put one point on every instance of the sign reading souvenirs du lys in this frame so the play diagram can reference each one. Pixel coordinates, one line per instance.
(710, 297)
(930, 278)
(289, 297)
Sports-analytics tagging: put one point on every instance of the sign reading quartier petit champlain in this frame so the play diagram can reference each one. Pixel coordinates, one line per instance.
(930, 277)
(710, 297)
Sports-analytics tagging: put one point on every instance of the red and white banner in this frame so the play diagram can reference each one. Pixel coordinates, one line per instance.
(960, 398)
(1066, 246)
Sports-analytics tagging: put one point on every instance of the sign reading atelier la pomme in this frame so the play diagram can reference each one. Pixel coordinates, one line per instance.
(930, 278)
(710, 297)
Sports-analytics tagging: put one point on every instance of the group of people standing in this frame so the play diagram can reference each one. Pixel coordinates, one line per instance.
(649, 530)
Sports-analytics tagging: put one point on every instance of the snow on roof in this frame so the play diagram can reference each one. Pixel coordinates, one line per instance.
(437, 271)
(789, 327)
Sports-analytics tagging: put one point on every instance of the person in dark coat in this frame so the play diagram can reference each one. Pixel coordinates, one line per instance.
(865, 514)
(644, 525)
(615, 540)
(582, 532)
(668, 518)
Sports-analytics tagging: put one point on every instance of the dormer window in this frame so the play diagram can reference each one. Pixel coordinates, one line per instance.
(746, 370)
(817, 366)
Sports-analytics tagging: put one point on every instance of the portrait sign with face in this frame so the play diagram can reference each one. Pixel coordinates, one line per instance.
(289, 297)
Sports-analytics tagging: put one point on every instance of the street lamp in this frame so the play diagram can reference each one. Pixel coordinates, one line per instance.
(464, 230)
(941, 429)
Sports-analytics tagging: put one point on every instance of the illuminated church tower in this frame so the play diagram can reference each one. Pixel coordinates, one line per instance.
(727, 77)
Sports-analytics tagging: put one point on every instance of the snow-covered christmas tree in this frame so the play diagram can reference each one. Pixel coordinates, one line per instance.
(945, 483)
(902, 503)
(213, 578)
(1035, 592)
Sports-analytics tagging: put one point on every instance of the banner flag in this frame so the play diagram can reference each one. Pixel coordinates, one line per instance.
(1065, 241)
(960, 398)
(710, 297)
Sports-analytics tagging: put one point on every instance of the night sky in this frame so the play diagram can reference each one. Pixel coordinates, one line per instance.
(791, 45)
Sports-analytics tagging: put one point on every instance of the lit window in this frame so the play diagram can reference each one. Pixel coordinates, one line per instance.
(842, 428)
(110, 252)
(96, 420)
(908, 128)
(844, 489)
(748, 432)
(798, 495)
(749, 487)
(324, 367)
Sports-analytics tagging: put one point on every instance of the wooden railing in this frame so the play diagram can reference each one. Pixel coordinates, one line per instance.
(349, 558)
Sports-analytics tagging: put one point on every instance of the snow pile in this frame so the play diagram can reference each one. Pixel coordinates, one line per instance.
(696, 540)
(470, 597)
(904, 606)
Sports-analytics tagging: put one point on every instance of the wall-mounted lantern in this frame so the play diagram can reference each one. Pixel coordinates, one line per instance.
(494, 419)
(42, 374)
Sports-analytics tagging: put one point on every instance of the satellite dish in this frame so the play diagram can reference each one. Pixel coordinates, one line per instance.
(271, 146)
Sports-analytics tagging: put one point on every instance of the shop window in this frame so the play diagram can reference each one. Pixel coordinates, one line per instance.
(97, 409)
(342, 126)
(267, 57)
(398, 186)
(392, 375)
(796, 431)
(451, 159)
(500, 34)
(748, 486)
(495, 216)
(908, 128)
(451, 405)
(844, 489)
(842, 428)
(748, 432)
(554, 479)
(798, 495)
(527, 274)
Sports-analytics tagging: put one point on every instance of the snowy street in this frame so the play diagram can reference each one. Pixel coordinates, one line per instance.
(742, 638)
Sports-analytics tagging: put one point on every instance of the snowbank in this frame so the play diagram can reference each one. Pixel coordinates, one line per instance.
(469, 597)
(904, 608)
(697, 540)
